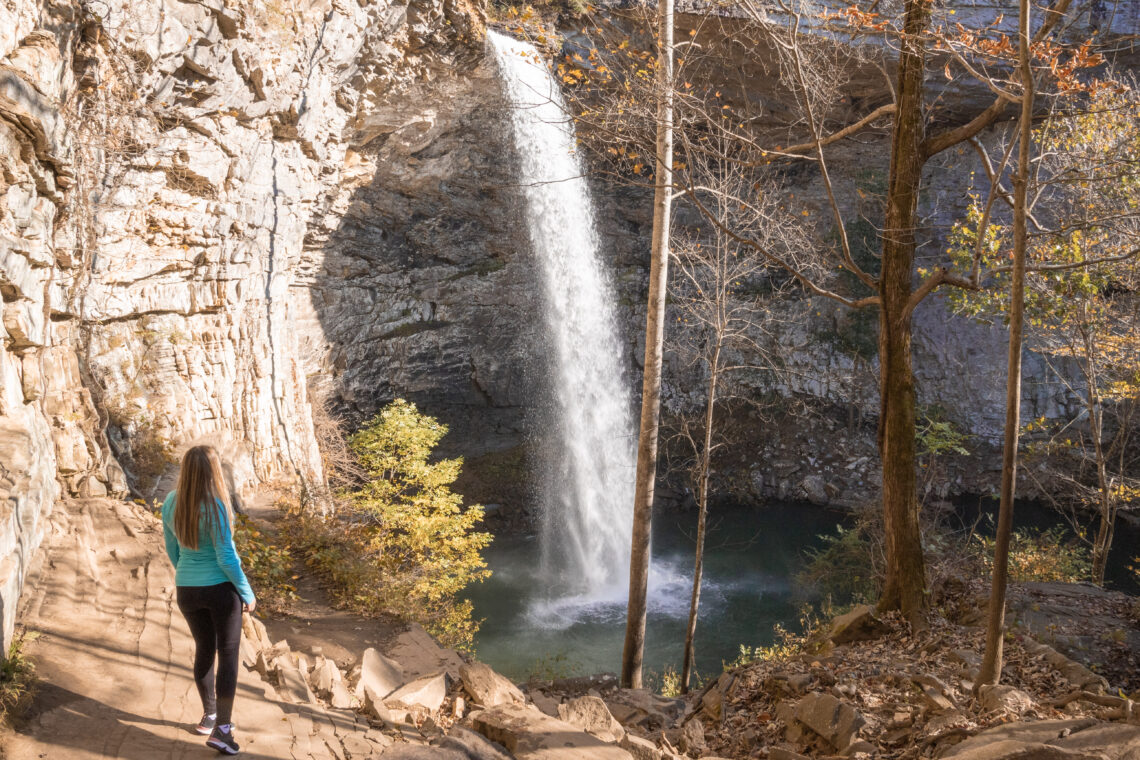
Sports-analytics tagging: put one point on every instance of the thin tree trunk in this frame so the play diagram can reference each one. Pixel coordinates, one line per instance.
(1104, 489)
(905, 584)
(702, 519)
(654, 336)
(995, 629)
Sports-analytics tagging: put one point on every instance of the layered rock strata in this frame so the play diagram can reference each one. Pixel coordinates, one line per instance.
(161, 163)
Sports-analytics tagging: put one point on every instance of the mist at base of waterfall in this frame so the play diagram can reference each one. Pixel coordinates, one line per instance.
(531, 626)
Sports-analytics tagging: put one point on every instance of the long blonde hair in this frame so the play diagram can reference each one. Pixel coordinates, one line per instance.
(200, 488)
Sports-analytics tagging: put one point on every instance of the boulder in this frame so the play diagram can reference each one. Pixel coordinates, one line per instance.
(693, 737)
(529, 734)
(292, 686)
(712, 700)
(712, 704)
(1015, 750)
(381, 674)
(860, 624)
(643, 708)
(476, 746)
(1007, 699)
(427, 692)
(324, 675)
(815, 489)
(641, 749)
(340, 697)
(780, 753)
(486, 687)
(592, 716)
(836, 722)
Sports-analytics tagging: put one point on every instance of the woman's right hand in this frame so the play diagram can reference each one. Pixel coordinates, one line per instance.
(249, 606)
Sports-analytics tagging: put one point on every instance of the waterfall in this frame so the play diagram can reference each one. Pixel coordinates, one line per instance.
(588, 501)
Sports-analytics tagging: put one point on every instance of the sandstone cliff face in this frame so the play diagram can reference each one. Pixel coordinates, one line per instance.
(161, 162)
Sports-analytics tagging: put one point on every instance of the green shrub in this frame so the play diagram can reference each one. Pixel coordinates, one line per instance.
(17, 676)
(844, 568)
(671, 682)
(404, 544)
(786, 644)
(268, 565)
(1046, 555)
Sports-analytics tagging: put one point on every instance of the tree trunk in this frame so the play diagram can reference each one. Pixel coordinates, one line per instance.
(1103, 541)
(654, 336)
(702, 519)
(995, 629)
(905, 584)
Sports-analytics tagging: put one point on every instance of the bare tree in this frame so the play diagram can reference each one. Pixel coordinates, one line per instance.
(979, 58)
(634, 648)
(995, 627)
(720, 292)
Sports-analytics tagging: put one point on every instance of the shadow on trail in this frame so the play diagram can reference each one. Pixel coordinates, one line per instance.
(116, 733)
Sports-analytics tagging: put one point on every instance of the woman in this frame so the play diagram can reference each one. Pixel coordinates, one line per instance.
(212, 589)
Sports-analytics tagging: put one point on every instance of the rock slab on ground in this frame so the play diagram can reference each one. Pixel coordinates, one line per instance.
(381, 674)
(486, 687)
(427, 692)
(1074, 739)
(860, 624)
(592, 716)
(836, 722)
(530, 734)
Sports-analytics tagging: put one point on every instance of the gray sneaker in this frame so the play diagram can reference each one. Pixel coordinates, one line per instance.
(223, 740)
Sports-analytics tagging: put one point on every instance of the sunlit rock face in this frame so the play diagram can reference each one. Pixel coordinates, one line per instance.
(418, 275)
(160, 164)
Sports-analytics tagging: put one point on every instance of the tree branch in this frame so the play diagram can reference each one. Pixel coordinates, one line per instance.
(932, 146)
(847, 131)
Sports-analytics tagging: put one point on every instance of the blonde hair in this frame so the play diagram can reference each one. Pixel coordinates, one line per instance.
(200, 488)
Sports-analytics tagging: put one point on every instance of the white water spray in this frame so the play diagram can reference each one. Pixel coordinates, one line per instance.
(589, 505)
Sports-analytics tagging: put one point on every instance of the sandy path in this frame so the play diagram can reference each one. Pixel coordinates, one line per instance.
(114, 657)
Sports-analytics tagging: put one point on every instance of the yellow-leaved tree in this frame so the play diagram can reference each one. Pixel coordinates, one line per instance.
(418, 531)
(1081, 299)
(404, 543)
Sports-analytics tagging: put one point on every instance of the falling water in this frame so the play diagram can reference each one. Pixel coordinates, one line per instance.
(588, 510)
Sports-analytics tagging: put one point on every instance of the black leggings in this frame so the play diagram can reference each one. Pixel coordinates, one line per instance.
(214, 616)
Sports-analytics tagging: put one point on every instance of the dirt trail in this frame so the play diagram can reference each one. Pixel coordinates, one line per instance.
(113, 657)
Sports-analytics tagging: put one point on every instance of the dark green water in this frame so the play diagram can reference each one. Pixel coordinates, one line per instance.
(752, 558)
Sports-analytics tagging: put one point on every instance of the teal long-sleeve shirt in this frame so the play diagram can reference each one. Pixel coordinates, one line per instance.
(214, 561)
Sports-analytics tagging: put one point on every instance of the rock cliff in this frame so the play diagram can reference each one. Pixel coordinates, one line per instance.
(162, 162)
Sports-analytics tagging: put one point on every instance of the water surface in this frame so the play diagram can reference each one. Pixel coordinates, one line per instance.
(751, 562)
